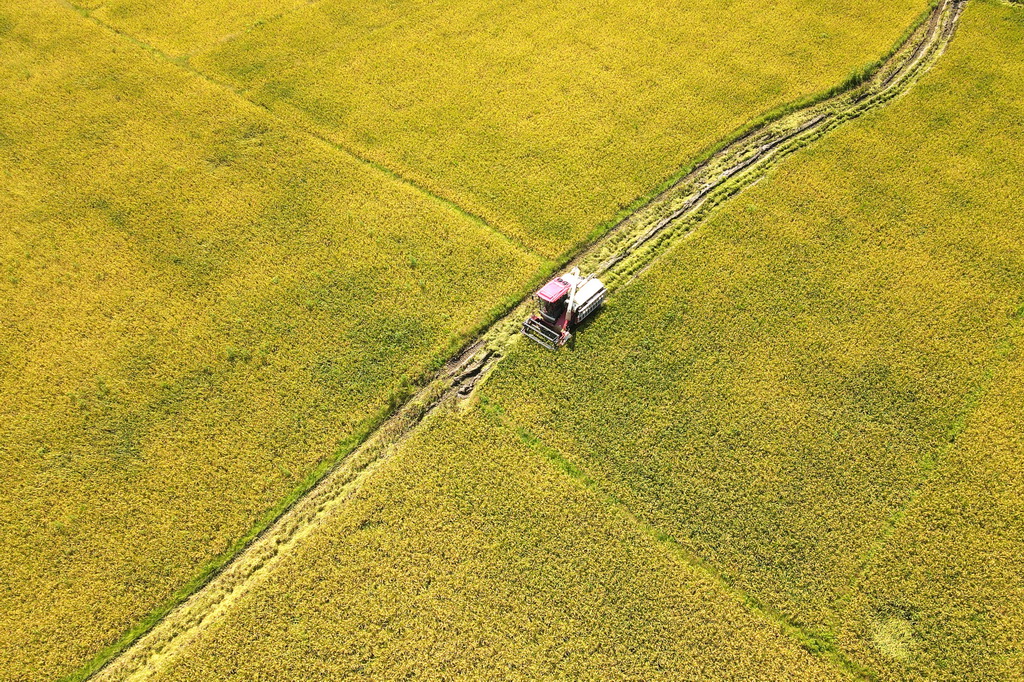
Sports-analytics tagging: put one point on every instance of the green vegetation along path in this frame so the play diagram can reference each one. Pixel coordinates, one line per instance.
(618, 256)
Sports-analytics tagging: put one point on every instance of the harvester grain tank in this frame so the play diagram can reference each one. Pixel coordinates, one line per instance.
(565, 302)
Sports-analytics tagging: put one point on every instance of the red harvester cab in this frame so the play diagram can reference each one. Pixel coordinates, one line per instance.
(565, 302)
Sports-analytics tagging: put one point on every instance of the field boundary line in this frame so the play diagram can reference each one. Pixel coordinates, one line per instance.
(930, 466)
(303, 127)
(259, 23)
(618, 254)
(813, 643)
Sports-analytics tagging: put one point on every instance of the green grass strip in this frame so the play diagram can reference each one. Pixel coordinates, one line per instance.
(856, 78)
(821, 644)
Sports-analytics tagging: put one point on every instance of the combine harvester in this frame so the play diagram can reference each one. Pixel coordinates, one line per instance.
(565, 302)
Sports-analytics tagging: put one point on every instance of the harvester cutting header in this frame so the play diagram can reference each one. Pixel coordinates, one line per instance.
(565, 302)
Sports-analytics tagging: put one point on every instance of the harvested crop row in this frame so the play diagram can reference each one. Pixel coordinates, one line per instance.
(201, 309)
(548, 119)
(771, 392)
(477, 361)
(468, 555)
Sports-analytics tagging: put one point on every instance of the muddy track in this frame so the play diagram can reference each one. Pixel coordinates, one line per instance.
(617, 257)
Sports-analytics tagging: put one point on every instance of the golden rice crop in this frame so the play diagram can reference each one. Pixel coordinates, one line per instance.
(548, 118)
(183, 26)
(945, 597)
(773, 390)
(468, 555)
(200, 308)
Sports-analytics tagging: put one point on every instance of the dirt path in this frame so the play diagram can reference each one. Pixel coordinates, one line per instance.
(617, 257)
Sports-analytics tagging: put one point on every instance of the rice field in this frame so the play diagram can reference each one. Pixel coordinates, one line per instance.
(469, 556)
(185, 27)
(962, 530)
(774, 391)
(236, 235)
(548, 119)
(201, 310)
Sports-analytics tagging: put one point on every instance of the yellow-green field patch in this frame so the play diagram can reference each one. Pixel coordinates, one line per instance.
(469, 555)
(200, 307)
(184, 26)
(773, 390)
(944, 599)
(548, 118)
(204, 307)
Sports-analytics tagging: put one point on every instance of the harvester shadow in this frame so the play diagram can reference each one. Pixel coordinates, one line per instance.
(582, 327)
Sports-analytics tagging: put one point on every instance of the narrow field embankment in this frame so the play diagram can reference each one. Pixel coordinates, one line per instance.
(617, 257)
(788, 391)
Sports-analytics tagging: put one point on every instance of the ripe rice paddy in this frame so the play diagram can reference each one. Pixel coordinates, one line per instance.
(792, 406)
(202, 309)
(468, 555)
(774, 391)
(944, 596)
(183, 27)
(776, 426)
(549, 119)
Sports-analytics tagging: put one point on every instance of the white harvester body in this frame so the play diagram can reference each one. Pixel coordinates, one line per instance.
(565, 302)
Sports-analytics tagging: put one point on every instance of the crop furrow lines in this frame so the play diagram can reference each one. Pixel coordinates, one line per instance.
(618, 256)
(811, 641)
(302, 126)
(930, 465)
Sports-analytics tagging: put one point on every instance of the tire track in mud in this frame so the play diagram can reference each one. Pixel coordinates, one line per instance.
(618, 256)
